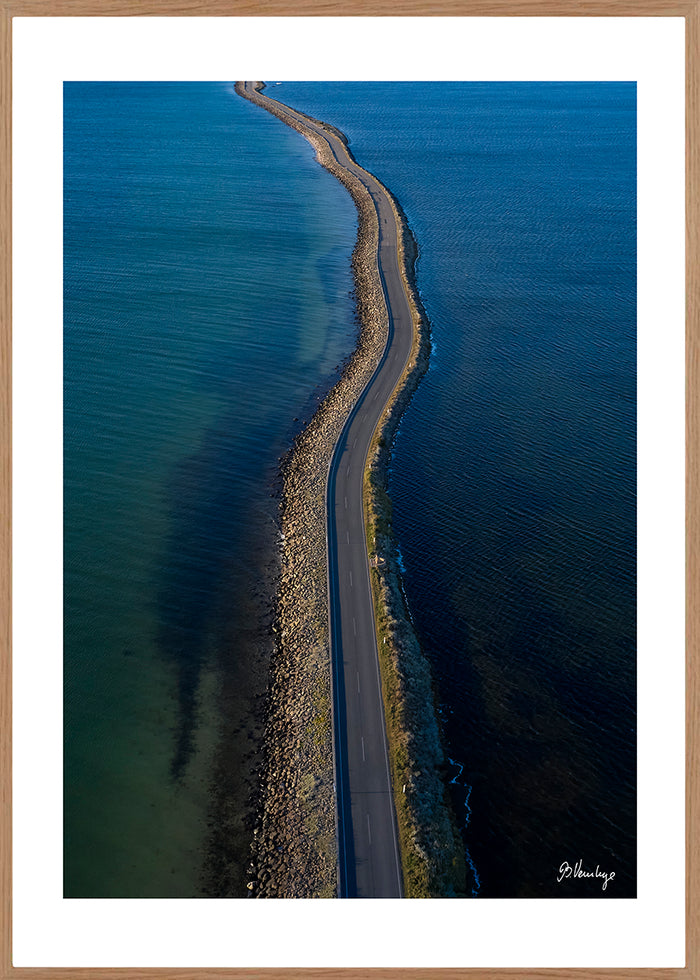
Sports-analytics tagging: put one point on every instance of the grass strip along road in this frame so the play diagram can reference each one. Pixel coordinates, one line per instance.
(368, 852)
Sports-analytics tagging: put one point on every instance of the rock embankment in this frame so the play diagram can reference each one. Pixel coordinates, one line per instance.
(295, 851)
(295, 847)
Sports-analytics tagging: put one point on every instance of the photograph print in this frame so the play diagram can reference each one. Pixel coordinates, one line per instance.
(350, 421)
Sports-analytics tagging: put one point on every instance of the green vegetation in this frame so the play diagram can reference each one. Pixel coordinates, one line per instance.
(321, 719)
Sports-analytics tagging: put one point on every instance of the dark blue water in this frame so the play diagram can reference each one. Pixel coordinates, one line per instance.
(207, 282)
(515, 466)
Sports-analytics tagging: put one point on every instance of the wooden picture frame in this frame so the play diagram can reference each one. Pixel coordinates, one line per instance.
(687, 9)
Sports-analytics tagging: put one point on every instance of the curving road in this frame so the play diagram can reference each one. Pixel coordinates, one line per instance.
(369, 862)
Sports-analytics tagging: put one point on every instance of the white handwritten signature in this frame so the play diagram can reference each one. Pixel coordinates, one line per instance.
(578, 871)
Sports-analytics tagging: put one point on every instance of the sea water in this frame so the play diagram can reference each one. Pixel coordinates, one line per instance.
(513, 478)
(207, 304)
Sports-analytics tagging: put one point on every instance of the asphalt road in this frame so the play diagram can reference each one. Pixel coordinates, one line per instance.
(369, 863)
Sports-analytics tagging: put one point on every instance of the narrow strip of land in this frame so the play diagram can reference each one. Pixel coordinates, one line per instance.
(368, 852)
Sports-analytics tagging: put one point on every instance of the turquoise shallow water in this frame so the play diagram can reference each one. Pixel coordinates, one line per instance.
(514, 476)
(207, 297)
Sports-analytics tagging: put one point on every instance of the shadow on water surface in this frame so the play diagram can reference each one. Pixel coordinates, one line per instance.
(204, 540)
